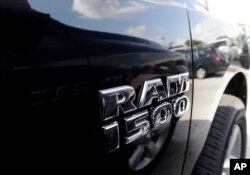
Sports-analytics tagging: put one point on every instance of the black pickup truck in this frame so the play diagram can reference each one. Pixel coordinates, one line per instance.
(115, 87)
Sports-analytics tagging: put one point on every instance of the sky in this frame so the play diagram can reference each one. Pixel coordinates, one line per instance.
(231, 10)
(143, 18)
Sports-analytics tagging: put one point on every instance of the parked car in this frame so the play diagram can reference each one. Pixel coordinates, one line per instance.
(248, 41)
(90, 86)
(208, 61)
(244, 51)
(228, 47)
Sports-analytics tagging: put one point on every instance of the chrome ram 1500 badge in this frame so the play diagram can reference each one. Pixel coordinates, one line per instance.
(120, 100)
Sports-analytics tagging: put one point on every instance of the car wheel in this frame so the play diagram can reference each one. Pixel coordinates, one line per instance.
(201, 73)
(140, 156)
(226, 139)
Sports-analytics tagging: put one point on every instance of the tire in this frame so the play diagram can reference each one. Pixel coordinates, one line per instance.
(201, 73)
(229, 120)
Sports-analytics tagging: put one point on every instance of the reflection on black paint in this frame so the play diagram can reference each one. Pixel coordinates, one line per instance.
(51, 74)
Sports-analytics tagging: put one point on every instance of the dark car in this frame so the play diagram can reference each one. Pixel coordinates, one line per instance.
(95, 86)
(208, 61)
(227, 47)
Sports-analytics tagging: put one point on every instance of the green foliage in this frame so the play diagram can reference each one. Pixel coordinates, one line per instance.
(196, 43)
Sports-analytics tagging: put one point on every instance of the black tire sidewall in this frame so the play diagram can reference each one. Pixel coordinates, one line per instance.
(226, 117)
(240, 120)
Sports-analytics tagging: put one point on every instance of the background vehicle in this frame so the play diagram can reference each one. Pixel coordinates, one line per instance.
(208, 61)
(248, 41)
(227, 47)
(83, 81)
(244, 51)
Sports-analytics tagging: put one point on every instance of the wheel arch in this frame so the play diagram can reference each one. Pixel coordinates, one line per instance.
(237, 86)
(234, 83)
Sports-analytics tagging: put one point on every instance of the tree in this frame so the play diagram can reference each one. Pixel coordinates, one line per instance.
(196, 43)
(222, 37)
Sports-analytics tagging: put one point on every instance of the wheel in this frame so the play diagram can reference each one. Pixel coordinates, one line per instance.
(226, 139)
(141, 155)
(201, 73)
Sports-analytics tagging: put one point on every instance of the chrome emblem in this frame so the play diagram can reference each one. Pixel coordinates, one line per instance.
(116, 99)
(152, 89)
(120, 100)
